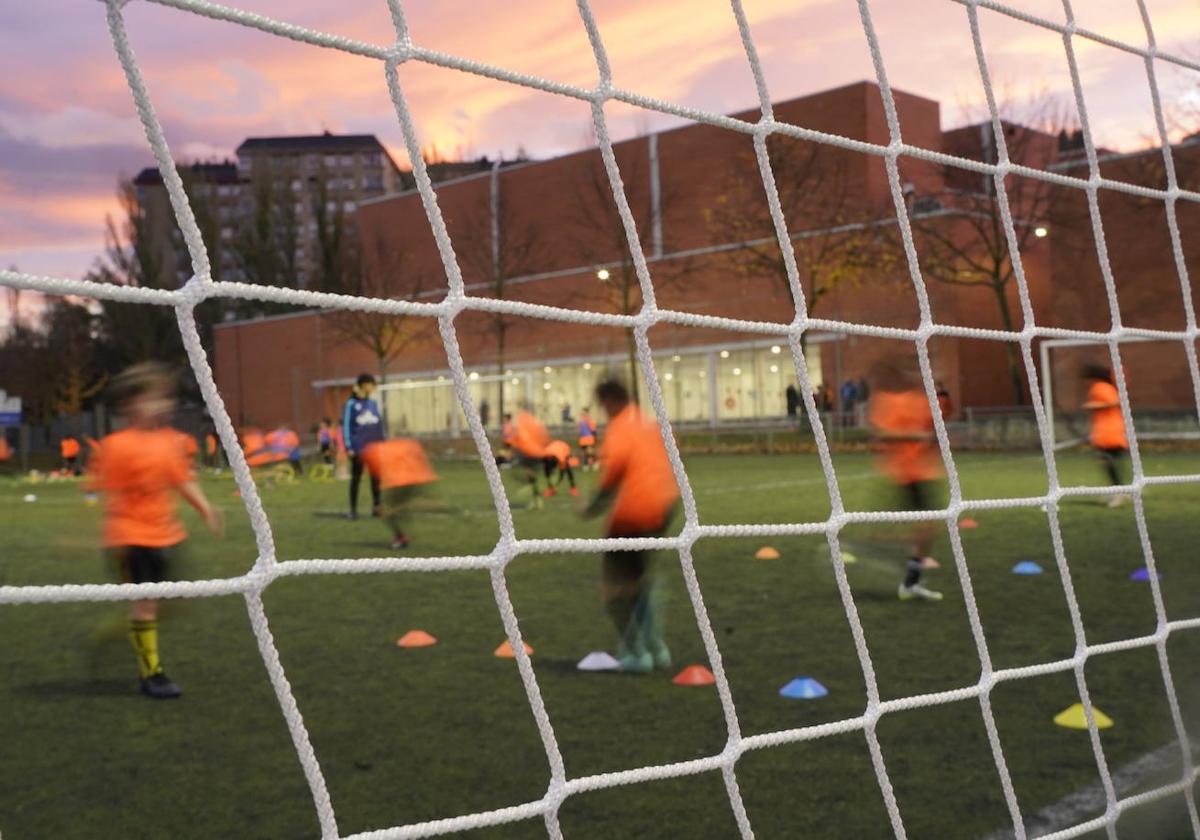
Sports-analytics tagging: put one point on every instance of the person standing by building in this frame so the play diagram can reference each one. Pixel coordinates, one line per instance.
(792, 398)
(362, 425)
(849, 396)
(945, 404)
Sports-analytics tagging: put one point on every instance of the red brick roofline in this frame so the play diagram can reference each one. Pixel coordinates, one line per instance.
(1192, 141)
(747, 115)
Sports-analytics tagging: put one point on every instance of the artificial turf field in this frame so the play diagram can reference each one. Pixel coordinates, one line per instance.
(411, 735)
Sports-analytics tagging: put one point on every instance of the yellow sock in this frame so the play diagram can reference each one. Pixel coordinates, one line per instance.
(143, 636)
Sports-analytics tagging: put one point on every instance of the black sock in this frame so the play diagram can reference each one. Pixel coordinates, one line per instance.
(912, 574)
(1113, 476)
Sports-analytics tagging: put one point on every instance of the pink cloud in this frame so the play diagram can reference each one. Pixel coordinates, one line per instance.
(213, 83)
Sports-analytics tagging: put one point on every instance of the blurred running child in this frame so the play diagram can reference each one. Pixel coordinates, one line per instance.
(507, 432)
(638, 486)
(587, 436)
(69, 447)
(558, 457)
(362, 425)
(903, 427)
(1107, 435)
(285, 444)
(254, 445)
(210, 450)
(529, 441)
(402, 470)
(140, 470)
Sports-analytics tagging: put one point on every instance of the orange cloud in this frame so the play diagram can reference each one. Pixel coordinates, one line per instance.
(214, 83)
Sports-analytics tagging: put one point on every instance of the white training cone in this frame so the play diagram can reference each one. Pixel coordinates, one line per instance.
(599, 661)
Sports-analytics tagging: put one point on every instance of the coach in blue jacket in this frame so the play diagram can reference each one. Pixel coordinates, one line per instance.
(362, 424)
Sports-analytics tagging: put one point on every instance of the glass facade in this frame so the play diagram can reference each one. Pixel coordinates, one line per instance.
(701, 386)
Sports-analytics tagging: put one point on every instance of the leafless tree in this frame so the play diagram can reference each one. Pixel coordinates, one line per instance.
(135, 332)
(266, 247)
(600, 238)
(837, 237)
(960, 232)
(505, 245)
(377, 273)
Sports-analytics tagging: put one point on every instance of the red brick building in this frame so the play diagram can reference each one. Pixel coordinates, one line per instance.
(546, 232)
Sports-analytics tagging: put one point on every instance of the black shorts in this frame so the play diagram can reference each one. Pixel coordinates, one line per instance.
(526, 461)
(918, 495)
(141, 564)
(1115, 453)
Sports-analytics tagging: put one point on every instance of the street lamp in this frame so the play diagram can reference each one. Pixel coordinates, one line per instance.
(602, 275)
(1040, 232)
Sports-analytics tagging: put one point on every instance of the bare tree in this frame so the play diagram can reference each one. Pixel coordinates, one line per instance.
(336, 249)
(512, 248)
(78, 372)
(960, 232)
(837, 237)
(376, 273)
(600, 236)
(267, 246)
(135, 332)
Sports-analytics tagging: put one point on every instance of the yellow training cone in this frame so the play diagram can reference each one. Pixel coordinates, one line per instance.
(766, 553)
(1074, 718)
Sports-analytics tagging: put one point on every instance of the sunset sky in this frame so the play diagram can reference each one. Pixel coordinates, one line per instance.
(68, 129)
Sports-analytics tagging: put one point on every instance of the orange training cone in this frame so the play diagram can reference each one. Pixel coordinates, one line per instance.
(415, 639)
(967, 523)
(505, 650)
(766, 553)
(694, 675)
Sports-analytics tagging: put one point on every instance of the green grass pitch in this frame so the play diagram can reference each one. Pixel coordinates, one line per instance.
(411, 735)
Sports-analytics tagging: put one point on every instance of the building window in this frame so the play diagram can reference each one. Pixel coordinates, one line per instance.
(348, 207)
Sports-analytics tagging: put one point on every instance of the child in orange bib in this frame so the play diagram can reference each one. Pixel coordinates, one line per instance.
(638, 485)
(558, 457)
(401, 468)
(903, 426)
(1107, 434)
(140, 470)
(529, 441)
(69, 447)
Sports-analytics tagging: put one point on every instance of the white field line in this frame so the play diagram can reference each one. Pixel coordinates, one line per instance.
(1088, 802)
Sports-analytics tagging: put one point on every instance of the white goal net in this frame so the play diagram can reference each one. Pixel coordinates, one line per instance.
(560, 785)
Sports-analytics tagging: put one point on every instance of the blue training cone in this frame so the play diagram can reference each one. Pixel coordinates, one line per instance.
(1027, 567)
(803, 688)
(1143, 574)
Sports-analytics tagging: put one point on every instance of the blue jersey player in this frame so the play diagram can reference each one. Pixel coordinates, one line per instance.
(362, 425)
